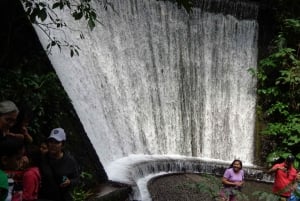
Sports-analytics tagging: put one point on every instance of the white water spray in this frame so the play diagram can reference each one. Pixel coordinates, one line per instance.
(153, 79)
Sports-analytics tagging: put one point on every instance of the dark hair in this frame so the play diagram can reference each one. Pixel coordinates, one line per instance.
(10, 146)
(34, 155)
(236, 160)
(290, 159)
(25, 114)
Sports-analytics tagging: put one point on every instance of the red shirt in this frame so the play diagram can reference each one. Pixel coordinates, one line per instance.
(31, 183)
(283, 179)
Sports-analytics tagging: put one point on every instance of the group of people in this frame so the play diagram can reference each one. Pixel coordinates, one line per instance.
(29, 172)
(48, 172)
(286, 181)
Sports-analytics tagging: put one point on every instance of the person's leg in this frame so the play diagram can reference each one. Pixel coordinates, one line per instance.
(224, 195)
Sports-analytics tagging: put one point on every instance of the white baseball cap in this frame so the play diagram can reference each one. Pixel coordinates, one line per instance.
(58, 134)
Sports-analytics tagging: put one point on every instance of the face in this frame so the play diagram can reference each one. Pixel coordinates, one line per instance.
(12, 162)
(24, 162)
(298, 176)
(8, 120)
(43, 148)
(236, 166)
(54, 146)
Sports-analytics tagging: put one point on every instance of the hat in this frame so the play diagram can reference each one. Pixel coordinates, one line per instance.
(8, 106)
(58, 134)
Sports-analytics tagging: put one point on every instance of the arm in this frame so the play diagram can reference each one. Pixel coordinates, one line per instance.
(16, 135)
(275, 168)
(27, 136)
(73, 178)
(226, 182)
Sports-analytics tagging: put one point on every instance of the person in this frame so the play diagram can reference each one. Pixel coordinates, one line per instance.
(232, 180)
(60, 171)
(295, 196)
(43, 148)
(8, 116)
(9, 113)
(31, 176)
(285, 175)
(11, 152)
(21, 125)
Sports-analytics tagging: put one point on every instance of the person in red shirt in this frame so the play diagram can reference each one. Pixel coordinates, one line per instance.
(285, 176)
(32, 176)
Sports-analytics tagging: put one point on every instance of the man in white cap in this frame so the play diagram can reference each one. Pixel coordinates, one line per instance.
(58, 134)
(60, 171)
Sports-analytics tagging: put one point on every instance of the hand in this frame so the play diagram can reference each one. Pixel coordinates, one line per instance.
(282, 168)
(65, 183)
(239, 183)
(24, 130)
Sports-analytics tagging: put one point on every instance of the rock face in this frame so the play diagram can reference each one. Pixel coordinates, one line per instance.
(182, 187)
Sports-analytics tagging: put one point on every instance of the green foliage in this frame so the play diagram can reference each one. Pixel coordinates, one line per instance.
(270, 196)
(279, 85)
(264, 196)
(41, 93)
(79, 194)
(82, 192)
(45, 15)
(297, 192)
(212, 188)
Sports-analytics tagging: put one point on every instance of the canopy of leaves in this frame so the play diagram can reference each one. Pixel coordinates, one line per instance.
(279, 84)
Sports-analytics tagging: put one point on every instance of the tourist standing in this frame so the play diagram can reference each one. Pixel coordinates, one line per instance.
(285, 175)
(31, 176)
(59, 170)
(233, 180)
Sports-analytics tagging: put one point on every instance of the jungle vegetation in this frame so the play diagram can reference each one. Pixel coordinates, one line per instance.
(28, 77)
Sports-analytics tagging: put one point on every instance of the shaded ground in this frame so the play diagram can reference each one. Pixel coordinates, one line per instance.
(181, 187)
(110, 191)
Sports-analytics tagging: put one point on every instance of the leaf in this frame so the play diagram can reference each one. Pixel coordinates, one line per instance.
(43, 14)
(55, 5)
(77, 15)
(91, 24)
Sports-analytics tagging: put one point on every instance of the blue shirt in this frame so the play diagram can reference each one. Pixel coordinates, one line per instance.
(293, 196)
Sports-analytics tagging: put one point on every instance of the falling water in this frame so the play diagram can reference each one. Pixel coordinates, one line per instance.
(152, 79)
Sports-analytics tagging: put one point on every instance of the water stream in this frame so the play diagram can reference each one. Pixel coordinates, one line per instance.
(152, 79)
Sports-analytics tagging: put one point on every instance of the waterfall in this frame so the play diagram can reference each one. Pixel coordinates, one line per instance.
(152, 79)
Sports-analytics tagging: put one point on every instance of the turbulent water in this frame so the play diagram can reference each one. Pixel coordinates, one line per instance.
(153, 79)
